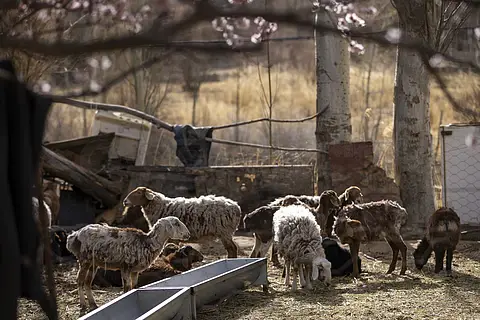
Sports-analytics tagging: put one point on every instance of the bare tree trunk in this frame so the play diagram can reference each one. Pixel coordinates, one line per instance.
(194, 107)
(413, 150)
(237, 107)
(139, 82)
(366, 112)
(332, 67)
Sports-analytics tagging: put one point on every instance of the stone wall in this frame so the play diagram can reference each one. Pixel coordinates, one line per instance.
(352, 164)
(251, 186)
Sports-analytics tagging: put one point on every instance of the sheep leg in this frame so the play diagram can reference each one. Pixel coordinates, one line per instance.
(301, 275)
(329, 225)
(354, 249)
(439, 255)
(402, 247)
(308, 277)
(449, 261)
(403, 251)
(274, 256)
(256, 248)
(126, 280)
(134, 279)
(81, 275)
(287, 272)
(88, 286)
(230, 246)
(294, 275)
(395, 252)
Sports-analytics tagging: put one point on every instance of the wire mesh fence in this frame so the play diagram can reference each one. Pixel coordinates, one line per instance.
(461, 173)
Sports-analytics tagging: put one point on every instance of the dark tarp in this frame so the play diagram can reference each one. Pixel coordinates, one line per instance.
(23, 115)
(192, 148)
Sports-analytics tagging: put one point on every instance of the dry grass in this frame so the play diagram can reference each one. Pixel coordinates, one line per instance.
(418, 295)
(293, 97)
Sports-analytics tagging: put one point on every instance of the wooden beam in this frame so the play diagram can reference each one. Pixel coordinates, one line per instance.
(98, 187)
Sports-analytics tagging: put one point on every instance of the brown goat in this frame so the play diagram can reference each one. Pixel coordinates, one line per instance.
(442, 234)
(327, 210)
(51, 196)
(369, 221)
(172, 261)
(351, 195)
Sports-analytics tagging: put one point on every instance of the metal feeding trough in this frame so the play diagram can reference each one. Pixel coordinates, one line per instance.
(180, 296)
(143, 304)
(218, 279)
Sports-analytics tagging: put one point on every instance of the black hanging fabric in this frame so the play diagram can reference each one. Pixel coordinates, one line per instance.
(22, 122)
(192, 148)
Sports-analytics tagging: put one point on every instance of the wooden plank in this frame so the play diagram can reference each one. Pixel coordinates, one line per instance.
(104, 190)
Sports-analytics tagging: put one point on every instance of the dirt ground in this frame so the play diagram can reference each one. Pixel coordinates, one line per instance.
(417, 295)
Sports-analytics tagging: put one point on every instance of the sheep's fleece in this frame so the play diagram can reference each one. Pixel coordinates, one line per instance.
(298, 237)
(204, 216)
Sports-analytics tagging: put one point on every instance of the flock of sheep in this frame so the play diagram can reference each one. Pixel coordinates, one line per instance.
(143, 246)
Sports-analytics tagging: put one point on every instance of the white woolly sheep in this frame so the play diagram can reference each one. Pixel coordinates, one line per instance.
(205, 217)
(311, 201)
(299, 242)
(126, 249)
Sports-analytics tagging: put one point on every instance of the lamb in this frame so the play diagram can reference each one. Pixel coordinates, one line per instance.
(351, 195)
(327, 210)
(260, 222)
(442, 234)
(299, 242)
(357, 223)
(51, 196)
(129, 250)
(205, 216)
(172, 261)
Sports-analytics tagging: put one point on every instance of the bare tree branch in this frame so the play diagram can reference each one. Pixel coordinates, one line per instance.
(236, 124)
(261, 146)
(112, 107)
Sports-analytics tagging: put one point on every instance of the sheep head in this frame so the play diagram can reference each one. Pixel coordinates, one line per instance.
(422, 253)
(353, 194)
(329, 204)
(260, 218)
(349, 230)
(322, 268)
(140, 196)
(169, 248)
(191, 253)
(183, 258)
(171, 227)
